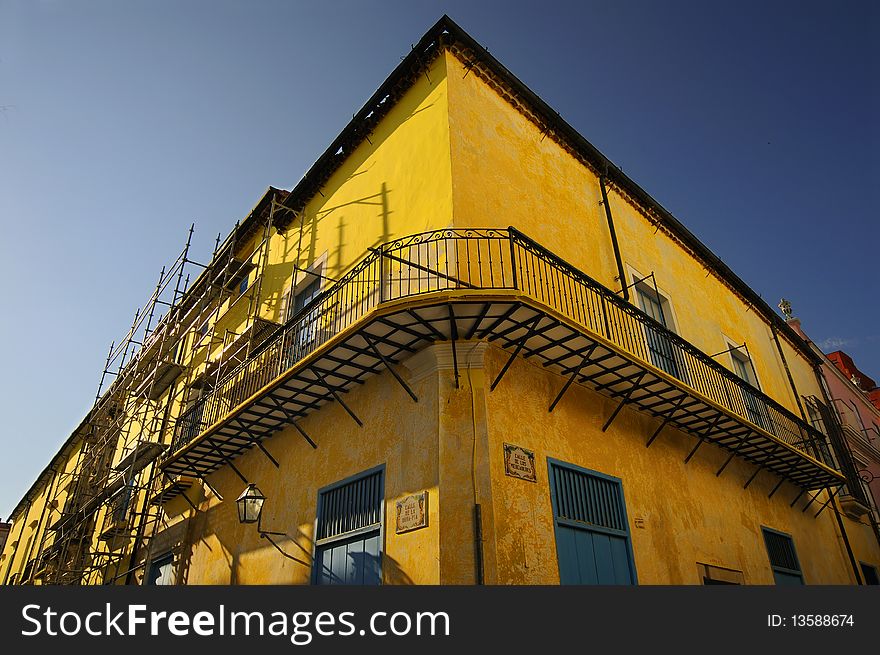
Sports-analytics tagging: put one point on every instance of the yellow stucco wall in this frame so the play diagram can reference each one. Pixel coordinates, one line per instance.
(452, 151)
(397, 183)
(29, 529)
(506, 172)
(451, 444)
(397, 433)
(690, 515)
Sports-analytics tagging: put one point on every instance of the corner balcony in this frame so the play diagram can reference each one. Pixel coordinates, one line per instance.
(499, 285)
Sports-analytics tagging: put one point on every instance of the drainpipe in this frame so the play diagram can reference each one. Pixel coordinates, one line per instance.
(478, 544)
(797, 397)
(620, 273)
(849, 551)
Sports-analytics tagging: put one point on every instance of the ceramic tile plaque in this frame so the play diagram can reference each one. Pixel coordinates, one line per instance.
(519, 463)
(412, 512)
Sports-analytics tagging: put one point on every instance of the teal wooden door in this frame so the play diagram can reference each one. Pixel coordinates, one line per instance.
(783, 557)
(592, 535)
(353, 561)
(348, 549)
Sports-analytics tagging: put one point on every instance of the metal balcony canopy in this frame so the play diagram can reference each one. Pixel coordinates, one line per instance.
(498, 285)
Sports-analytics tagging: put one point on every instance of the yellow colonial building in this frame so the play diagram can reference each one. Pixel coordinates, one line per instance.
(465, 348)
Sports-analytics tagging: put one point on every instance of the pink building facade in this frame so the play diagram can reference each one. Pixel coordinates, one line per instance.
(855, 397)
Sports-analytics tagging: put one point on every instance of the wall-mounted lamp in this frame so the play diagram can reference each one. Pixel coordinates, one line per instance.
(250, 504)
(250, 510)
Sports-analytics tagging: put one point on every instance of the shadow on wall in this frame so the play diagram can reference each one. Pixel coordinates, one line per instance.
(363, 566)
(306, 242)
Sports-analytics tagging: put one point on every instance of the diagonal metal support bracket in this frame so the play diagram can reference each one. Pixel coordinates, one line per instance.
(623, 402)
(336, 397)
(268, 454)
(666, 420)
(205, 482)
(742, 442)
(519, 346)
(797, 498)
(304, 435)
(292, 420)
(703, 438)
(228, 461)
(759, 468)
(385, 361)
(182, 493)
(573, 377)
(830, 499)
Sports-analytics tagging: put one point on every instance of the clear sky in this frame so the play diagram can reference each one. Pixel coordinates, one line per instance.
(755, 123)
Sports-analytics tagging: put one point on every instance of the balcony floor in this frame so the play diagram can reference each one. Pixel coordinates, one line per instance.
(515, 322)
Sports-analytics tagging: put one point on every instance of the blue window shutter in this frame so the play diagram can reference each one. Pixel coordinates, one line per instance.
(592, 535)
(349, 528)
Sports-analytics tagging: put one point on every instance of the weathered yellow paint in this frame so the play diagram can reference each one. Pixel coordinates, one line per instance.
(690, 515)
(454, 152)
(402, 440)
(29, 528)
(506, 172)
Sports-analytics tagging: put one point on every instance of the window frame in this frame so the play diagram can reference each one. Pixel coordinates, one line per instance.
(754, 406)
(561, 521)
(863, 566)
(781, 569)
(167, 556)
(321, 543)
(301, 280)
(663, 299)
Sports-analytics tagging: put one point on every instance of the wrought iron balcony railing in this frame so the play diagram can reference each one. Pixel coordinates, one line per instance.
(481, 261)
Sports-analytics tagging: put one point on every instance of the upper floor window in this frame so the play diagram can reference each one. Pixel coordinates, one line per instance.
(305, 295)
(663, 352)
(783, 558)
(348, 542)
(161, 571)
(742, 366)
(754, 408)
(653, 304)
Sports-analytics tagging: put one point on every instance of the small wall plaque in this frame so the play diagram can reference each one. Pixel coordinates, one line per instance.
(412, 512)
(519, 463)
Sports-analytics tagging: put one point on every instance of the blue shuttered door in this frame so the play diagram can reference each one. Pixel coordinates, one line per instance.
(783, 558)
(349, 547)
(352, 561)
(592, 536)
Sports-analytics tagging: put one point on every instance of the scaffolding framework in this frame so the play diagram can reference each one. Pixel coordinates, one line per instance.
(103, 512)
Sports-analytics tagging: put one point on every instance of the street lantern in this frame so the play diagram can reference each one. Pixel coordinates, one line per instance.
(250, 504)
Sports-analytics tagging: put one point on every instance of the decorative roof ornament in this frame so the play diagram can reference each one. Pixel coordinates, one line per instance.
(785, 306)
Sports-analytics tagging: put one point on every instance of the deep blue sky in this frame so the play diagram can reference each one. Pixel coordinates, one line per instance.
(755, 123)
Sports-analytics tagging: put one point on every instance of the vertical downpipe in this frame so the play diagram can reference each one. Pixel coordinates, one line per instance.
(797, 397)
(478, 543)
(620, 274)
(849, 550)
